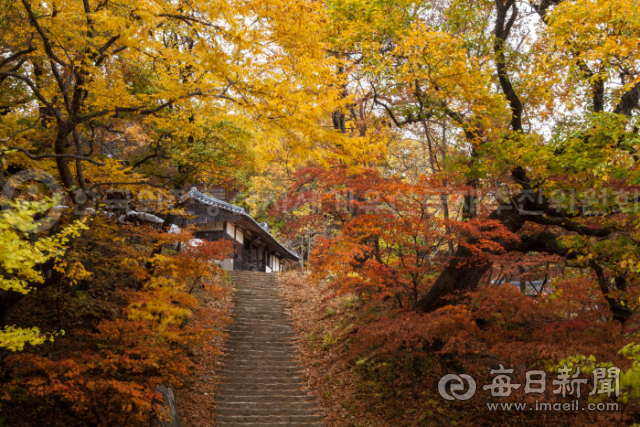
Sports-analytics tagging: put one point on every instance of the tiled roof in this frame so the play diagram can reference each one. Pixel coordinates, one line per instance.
(212, 201)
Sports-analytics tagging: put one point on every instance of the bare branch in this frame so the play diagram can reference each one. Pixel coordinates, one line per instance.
(102, 184)
(502, 31)
(189, 20)
(54, 156)
(567, 225)
(48, 48)
(21, 130)
(14, 68)
(138, 110)
(16, 55)
(35, 90)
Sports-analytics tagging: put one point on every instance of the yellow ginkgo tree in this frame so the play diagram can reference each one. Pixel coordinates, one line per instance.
(76, 77)
(21, 255)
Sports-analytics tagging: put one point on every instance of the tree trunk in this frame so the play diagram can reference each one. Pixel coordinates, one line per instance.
(461, 275)
(464, 272)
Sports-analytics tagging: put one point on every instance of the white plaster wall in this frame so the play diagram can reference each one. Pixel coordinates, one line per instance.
(227, 264)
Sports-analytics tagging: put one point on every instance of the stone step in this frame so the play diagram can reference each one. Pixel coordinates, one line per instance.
(257, 323)
(265, 294)
(257, 305)
(253, 292)
(255, 281)
(267, 351)
(260, 336)
(263, 346)
(247, 392)
(294, 404)
(260, 304)
(250, 314)
(271, 347)
(259, 330)
(266, 364)
(270, 296)
(242, 332)
(260, 325)
(262, 388)
(245, 412)
(263, 379)
(263, 337)
(260, 345)
(259, 424)
(274, 349)
(259, 317)
(268, 418)
(247, 287)
(271, 398)
(244, 361)
(245, 365)
(259, 351)
(245, 370)
(233, 357)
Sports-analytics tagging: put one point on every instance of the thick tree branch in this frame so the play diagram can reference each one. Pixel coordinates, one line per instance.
(568, 225)
(543, 242)
(502, 31)
(542, 8)
(34, 89)
(102, 184)
(48, 47)
(54, 156)
(629, 101)
(620, 310)
(190, 20)
(21, 130)
(138, 110)
(16, 55)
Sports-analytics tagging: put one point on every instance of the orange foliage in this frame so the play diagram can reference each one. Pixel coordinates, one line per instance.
(162, 317)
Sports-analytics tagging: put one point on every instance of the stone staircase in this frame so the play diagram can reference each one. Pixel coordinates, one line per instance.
(261, 383)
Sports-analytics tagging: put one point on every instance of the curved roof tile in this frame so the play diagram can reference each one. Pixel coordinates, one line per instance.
(194, 193)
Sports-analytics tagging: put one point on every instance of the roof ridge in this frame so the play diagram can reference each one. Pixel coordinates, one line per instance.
(212, 201)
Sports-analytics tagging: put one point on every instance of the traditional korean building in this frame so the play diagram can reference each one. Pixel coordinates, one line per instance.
(255, 248)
